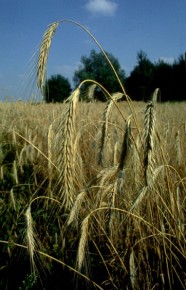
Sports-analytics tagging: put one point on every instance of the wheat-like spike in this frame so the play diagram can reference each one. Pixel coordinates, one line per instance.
(104, 130)
(1, 173)
(132, 269)
(65, 184)
(125, 145)
(155, 95)
(12, 198)
(143, 191)
(82, 243)
(30, 235)
(148, 154)
(43, 53)
(115, 161)
(76, 207)
(90, 93)
(106, 176)
(135, 148)
(178, 148)
(149, 142)
(139, 198)
(123, 156)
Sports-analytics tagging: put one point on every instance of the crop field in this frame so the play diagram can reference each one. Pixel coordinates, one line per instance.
(92, 195)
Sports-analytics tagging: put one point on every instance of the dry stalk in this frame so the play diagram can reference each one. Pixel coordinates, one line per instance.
(15, 173)
(180, 217)
(113, 234)
(50, 167)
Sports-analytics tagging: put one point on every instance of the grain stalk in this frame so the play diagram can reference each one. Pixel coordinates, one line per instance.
(50, 167)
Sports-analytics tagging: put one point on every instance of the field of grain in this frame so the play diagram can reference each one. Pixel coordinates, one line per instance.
(92, 195)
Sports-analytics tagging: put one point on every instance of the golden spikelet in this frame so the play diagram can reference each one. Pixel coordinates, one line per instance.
(82, 243)
(178, 148)
(76, 207)
(149, 142)
(12, 198)
(65, 184)
(43, 53)
(133, 270)
(91, 91)
(30, 235)
(125, 145)
(104, 130)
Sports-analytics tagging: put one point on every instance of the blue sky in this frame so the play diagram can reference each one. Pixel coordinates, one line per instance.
(122, 27)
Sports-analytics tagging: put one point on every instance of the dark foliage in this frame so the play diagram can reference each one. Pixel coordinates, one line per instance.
(57, 89)
(96, 67)
(147, 76)
(139, 83)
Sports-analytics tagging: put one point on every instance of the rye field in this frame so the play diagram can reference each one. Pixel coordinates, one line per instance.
(92, 195)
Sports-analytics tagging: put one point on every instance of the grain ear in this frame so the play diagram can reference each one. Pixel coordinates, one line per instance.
(30, 235)
(43, 54)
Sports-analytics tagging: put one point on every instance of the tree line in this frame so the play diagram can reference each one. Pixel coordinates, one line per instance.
(145, 77)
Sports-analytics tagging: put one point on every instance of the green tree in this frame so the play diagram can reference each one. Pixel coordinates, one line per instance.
(57, 89)
(139, 84)
(97, 68)
(163, 79)
(179, 79)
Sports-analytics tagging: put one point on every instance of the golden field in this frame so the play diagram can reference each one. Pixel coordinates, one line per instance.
(92, 195)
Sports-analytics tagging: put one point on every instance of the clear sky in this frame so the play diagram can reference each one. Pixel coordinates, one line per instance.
(122, 27)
